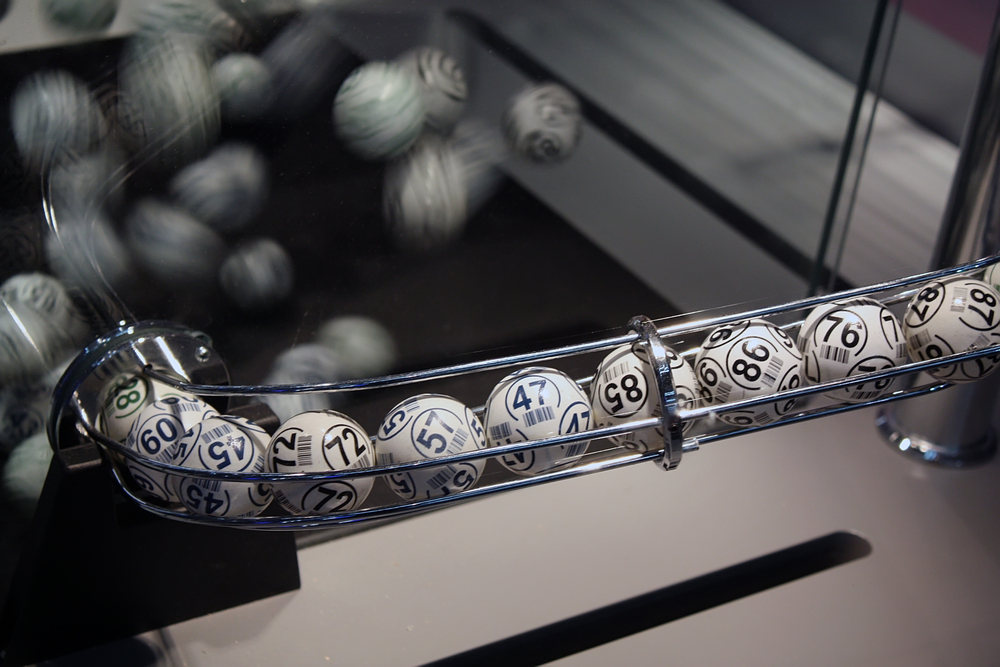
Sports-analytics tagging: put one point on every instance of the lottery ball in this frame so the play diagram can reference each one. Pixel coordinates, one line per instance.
(171, 244)
(88, 253)
(310, 363)
(745, 360)
(80, 185)
(125, 399)
(197, 23)
(226, 189)
(425, 427)
(154, 433)
(47, 297)
(80, 15)
(30, 345)
(245, 86)
(24, 472)
(54, 115)
(861, 336)
(227, 444)
(535, 403)
(378, 112)
(320, 441)
(257, 275)
(543, 123)
(364, 346)
(625, 389)
(946, 318)
(441, 84)
(992, 276)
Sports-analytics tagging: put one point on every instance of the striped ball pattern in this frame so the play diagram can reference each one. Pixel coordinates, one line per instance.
(225, 190)
(80, 15)
(245, 86)
(442, 85)
(172, 245)
(378, 112)
(258, 275)
(543, 123)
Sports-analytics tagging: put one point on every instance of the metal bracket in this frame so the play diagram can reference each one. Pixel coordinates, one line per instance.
(656, 354)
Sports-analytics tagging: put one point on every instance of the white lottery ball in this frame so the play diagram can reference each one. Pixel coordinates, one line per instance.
(816, 314)
(535, 403)
(87, 253)
(25, 470)
(80, 15)
(171, 244)
(744, 360)
(320, 441)
(245, 86)
(946, 318)
(425, 427)
(992, 276)
(226, 189)
(378, 112)
(196, 23)
(125, 399)
(310, 363)
(442, 85)
(154, 433)
(257, 275)
(364, 346)
(624, 390)
(227, 444)
(543, 123)
(47, 297)
(30, 344)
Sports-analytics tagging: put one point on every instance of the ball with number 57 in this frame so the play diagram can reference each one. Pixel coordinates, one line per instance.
(320, 441)
(535, 403)
(425, 427)
(946, 318)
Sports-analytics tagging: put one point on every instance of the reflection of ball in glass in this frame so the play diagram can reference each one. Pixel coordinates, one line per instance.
(310, 363)
(81, 15)
(946, 318)
(365, 347)
(245, 86)
(30, 344)
(82, 184)
(46, 296)
(746, 360)
(442, 85)
(171, 244)
(87, 253)
(378, 111)
(535, 403)
(257, 275)
(225, 190)
(543, 123)
(425, 427)
(25, 470)
(319, 442)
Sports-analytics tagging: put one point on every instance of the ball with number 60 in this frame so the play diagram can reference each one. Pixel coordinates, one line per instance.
(425, 427)
(535, 403)
(745, 360)
(950, 317)
(320, 441)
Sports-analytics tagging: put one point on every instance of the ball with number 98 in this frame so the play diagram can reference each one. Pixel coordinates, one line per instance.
(425, 427)
(535, 403)
(320, 441)
(946, 318)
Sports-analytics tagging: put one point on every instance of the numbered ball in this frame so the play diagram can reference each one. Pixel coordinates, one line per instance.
(535, 403)
(378, 112)
(158, 428)
(320, 441)
(425, 427)
(126, 397)
(442, 85)
(624, 390)
(227, 444)
(950, 317)
(543, 123)
(861, 336)
(745, 360)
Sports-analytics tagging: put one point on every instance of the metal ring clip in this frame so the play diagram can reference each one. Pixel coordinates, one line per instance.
(656, 354)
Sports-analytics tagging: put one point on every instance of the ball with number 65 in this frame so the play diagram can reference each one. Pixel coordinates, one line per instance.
(425, 427)
(320, 441)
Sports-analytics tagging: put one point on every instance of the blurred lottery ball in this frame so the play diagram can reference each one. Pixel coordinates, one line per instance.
(320, 442)
(200, 24)
(88, 253)
(125, 399)
(378, 112)
(426, 427)
(172, 245)
(155, 432)
(363, 345)
(25, 471)
(424, 199)
(625, 390)
(226, 189)
(227, 444)
(310, 363)
(543, 123)
(946, 318)
(55, 115)
(441, 83)
(861, 336)
(30, 344)
(257, 275)
(80, 15)
(535, 403)
(46, 296)
(24, 411)
(245, 86)
(81, 185)
(744, 360)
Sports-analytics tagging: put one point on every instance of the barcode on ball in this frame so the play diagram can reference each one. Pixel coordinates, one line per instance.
(539, 415)
(208, 484)
(363, 461)
(500, 431)
(771, 372)
(577, 449)
(216, 433)
(834, 353)
(411, 405)
(919, 339)
(763, 418)
(189, 407)
(258, 466)
(441, 478)
(616, 371)
(722, 392)
(304, 451)
(958, 300)
(458, 442)
(982, 340)
(901, 351)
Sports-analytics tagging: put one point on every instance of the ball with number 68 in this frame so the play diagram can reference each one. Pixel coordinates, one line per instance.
(625, 390)
(320, 441)
(946, 318)
(126, 398)
(425, 427)
(748, 359)
(535, 403)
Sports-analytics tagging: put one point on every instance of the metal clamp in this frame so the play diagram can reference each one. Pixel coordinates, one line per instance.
(656, 355)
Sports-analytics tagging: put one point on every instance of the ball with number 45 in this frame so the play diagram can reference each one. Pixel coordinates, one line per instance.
(535, 403)
(425, 427)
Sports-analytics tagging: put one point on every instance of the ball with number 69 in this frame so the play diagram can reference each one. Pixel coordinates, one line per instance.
(159, 427)
(744, 360)
(320, 441)
(946, 318)
(535, 403)
(425, 427)
(625, 390)
(227, 444)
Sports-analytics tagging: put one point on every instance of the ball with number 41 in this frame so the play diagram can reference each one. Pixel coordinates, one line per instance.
(535, 403)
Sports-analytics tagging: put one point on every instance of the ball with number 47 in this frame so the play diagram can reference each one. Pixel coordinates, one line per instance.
(748, 359)
(425, 427)
(950, 317)
(320, 441)
(625, 390)
(851, 338)
(535, 403)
